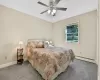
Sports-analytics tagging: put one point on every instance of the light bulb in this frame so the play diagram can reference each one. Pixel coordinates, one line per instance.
(49, 11)
(54, 11)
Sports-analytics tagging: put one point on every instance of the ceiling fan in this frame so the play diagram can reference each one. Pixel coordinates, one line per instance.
(51, 8)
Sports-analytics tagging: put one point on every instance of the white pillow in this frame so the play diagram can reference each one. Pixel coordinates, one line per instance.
(48, 44)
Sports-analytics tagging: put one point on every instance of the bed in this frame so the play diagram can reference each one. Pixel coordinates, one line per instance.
(49, 61)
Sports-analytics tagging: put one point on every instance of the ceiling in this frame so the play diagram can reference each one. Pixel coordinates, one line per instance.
(75, 7)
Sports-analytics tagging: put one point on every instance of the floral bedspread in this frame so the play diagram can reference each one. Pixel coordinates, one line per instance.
(48, 61)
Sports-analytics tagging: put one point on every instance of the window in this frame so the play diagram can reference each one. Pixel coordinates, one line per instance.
(71, 32)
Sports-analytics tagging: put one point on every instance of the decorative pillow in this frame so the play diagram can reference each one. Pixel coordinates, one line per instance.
(40, 44)
(48, 44)
(31, 44)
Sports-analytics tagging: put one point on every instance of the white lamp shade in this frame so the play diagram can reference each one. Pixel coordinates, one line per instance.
(20, 44)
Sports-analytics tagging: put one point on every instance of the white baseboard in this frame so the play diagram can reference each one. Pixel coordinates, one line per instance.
(84, 59)
(7, 64)
(15, 62)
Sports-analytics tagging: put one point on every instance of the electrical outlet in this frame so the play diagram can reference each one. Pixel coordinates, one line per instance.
(5, 57)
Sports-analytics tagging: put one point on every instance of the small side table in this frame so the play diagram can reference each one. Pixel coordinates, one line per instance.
(19, 55)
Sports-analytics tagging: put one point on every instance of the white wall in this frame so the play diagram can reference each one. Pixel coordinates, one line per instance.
(87, 34)
(98, 34)
(16, 26)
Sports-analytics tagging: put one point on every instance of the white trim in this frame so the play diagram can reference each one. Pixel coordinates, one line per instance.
(7, 64)
(84, 59)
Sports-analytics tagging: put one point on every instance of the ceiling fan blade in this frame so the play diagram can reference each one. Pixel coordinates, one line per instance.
(42, 4)
(57, 1)
(59, 8)
(43, 11)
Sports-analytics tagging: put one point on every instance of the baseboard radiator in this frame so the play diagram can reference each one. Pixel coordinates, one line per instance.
(86, 59)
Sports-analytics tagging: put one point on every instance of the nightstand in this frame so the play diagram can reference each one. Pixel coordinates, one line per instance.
(19, 55)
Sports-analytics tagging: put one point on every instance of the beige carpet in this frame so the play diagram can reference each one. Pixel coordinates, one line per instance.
(78, 70)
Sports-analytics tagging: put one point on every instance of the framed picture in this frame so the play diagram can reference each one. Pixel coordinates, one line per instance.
(72, 32)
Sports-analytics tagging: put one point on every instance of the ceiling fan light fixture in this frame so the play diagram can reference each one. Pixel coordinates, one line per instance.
(52, 7)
